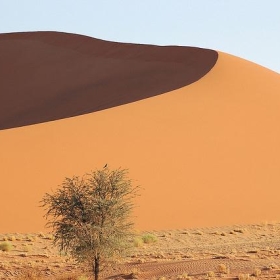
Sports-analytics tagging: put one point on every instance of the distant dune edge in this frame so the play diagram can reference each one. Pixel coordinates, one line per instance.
(47, 76)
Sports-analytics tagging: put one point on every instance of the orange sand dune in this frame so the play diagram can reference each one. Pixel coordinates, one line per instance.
(52, 75)
(206, 154)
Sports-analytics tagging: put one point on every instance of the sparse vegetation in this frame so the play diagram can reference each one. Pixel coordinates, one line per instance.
(36, 274)
(211, 274)
(184, 276)
(6, 246)
(150, 261)
(244, 276)
(257, 272)
(138, 242)
(146, 238)
(222, 268)
(149, 238)
(90, 216)
(41, 235)
(26, 248)
(12, 238)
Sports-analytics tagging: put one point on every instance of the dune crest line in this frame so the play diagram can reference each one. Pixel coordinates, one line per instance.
(47, 76)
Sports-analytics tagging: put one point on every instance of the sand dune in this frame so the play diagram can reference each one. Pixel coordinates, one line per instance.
(206, 154)
(49, 76)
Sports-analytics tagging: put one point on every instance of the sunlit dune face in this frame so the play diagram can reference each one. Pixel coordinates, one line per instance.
(205, 154)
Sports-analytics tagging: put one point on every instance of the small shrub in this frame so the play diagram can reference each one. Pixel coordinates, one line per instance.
(243, 277)
(12, 238)
(222, 268)
(26, 248)
(184, 276)
(30, 239)
(6, 246)
(211, 274)
(273, 266)
(138, 242)
(49, 237)
(257, 272)
(23, 255)
(233, 251)
(41, 235)
(149, 238)
(141, 260)
(240, 230)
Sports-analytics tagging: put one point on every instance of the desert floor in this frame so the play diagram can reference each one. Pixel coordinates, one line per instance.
(233, 252)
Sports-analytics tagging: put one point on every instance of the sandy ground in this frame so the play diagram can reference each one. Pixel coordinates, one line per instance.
(229, 252)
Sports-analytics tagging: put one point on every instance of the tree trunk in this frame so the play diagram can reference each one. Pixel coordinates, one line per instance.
(96, 267)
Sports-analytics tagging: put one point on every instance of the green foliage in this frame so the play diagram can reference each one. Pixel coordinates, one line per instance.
(145, 238)
(6, 246)
(138, 242)
(149, 238)
(90, 215)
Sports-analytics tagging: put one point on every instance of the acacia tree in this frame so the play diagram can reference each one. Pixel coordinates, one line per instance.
(91, 215)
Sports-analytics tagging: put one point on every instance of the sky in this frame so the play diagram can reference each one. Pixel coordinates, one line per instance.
(246, 28)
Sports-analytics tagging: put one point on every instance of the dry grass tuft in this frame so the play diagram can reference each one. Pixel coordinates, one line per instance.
(245, 277)
(222, 268)
(6, 246)
(26, 248)
(31, 274)
(211, 274)
(257, 272)
(41, 235)
(12, 238)
(149, 238)
(240, 230)
(138, 242)
(273, 266)
(184, 276)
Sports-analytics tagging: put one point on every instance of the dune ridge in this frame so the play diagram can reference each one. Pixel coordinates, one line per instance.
(47, 76)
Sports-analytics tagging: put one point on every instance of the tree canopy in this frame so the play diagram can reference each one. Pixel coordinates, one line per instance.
(91, 215)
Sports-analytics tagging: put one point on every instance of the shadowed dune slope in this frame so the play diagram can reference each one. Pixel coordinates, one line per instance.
(206, 154)
(50, 75)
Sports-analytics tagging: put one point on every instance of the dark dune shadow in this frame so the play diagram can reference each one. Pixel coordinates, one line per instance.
(47, 76)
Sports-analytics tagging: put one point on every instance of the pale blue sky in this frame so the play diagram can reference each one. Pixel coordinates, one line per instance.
(245, 28)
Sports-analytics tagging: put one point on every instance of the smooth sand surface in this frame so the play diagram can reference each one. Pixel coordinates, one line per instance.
(52, 75)
(206, 154)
